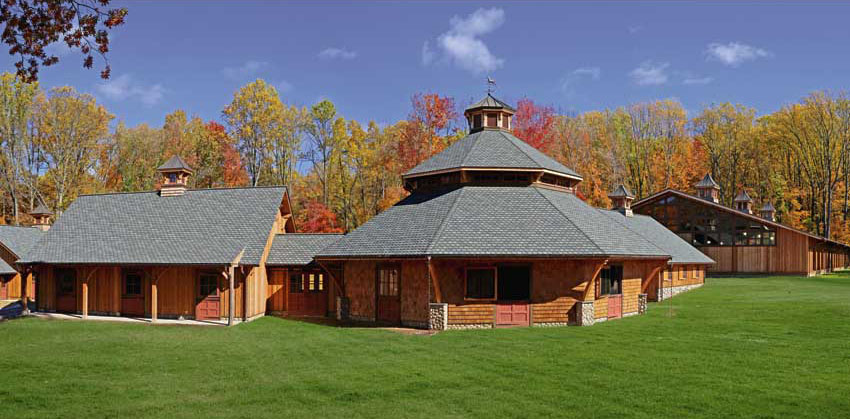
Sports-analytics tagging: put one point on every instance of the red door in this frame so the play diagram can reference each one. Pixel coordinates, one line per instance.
(308, 295)
(3, 291)
(388, 307)
(132, 298)
(66, 290)
(615, 306)
(512, 314)
(207, 307)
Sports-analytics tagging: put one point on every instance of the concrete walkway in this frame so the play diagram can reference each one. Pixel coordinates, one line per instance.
(140, 320)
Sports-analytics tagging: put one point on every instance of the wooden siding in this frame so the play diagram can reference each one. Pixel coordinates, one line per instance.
(791, 254)
(277, 290)
(13, 282)
(414, 292)
(359, 280)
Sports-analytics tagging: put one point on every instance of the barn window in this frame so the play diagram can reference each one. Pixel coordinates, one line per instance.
(611, 280)
(316, 282)
(476, 121)
(296, 283)
(67, 281)
(208, 285)
(132, 284)
(388, 281)
(481, 283)
(492, 120)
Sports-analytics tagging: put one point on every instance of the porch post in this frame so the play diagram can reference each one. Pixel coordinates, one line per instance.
(231, 309)
(153, 299)
(86, 298)
(24, 294)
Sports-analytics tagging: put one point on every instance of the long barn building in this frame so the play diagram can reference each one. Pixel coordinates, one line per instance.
(739, 240)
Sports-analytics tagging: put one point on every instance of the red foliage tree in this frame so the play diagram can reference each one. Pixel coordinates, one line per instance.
(320, 219)
(421, 139)
(232, 171)
(534, 124)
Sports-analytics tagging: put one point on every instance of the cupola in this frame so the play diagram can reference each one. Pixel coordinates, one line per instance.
(621, 200)
(708, 189)
(489, 113)
(42, 217)
(768, 212)
(175, 176)
(744, 203)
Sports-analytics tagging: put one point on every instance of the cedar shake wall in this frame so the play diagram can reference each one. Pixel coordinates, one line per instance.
(360, 288)
(360, 281)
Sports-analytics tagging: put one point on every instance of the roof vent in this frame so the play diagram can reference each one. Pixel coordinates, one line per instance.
(489, 113)
(42, 217)
(708, 189)
(744, 203)
(768, 212)
(175, 176)
(621, 200)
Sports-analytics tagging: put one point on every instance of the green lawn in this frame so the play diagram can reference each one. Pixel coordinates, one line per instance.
(755, 347)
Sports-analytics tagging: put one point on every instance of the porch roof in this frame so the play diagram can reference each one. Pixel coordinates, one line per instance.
(204, 226)
(493, 221)
(681, 251)
(19, 239)
(296, 249)
(6, 269)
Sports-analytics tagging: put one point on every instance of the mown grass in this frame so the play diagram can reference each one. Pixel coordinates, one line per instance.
(754, 347)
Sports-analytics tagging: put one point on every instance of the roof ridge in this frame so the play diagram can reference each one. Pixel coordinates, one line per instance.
(310, 234)
(223, 188)
(568, 219)
(443, 222)
(518, 148)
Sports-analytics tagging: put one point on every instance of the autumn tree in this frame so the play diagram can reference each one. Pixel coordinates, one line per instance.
(16, 102)
(428, 129)
(31, 26)
(534, 124)
(323, 129)
(255, 118)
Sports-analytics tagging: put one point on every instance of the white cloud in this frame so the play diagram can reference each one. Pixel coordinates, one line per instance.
(126, 87)
(283, 86)
(462, 44)
(337, 53)
(635, 29)
(650, 73)
(249, 69)
(697, 80)
(573, 78)
(734, 53)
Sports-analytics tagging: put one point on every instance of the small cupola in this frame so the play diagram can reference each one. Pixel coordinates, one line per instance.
(175, 177)
(768, 212)
(42, 217)
(489, 113)
(708, 189)
(621, 200)
(744, 203)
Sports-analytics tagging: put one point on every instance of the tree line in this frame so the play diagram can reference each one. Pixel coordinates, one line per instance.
(58, 144)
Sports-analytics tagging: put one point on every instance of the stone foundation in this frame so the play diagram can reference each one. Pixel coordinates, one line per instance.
(634, 313)
(469, 326)
(584, 313)
(667, 292)
(438, 316)
(416, 324)
(641, 303)
(550, 324)
(342, 308)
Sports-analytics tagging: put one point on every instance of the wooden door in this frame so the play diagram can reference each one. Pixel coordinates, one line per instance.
(3, 287)
(615, 306)
(132, 297)
(308, 294)
(513, 314)
(207, 307)
(388, 307)
(66, 290)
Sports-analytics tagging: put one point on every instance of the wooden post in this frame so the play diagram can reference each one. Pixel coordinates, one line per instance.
(24, 291)
(153, 299)
(86, 298)
(438, 295)
(231, 310)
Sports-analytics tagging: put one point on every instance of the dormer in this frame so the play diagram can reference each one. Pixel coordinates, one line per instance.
(708, 189)
(42, 217)
(489, 113)
(621, 200)
(744, 203)
(175, 177)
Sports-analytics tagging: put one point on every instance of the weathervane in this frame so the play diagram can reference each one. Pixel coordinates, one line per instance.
(491, 85)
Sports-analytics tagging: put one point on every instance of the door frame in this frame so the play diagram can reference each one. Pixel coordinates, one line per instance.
(57, 292)
(526, 302)
(139, 296)
(378, 268)
(199, 298)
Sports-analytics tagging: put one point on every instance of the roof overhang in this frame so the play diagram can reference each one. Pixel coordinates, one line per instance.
(407, 176)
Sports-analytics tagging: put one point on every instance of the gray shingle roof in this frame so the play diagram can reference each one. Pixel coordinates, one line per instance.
(491, 148)
(743, 197)
(298, 249)
(707, 182)
(175, 163)
(678, 248)
(492, 221)
(621, 192)
(205, 226)
(19, 239)
(490, 102)
(768, 207)
(5, 269)
(41, 210)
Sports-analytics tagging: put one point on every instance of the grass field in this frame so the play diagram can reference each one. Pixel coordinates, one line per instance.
(766, 347)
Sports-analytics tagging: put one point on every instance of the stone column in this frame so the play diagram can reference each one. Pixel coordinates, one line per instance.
(585, 314)
(438, 317)
(641, 303)
(342, 308)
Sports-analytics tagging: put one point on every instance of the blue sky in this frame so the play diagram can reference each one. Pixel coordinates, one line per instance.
(370, 57)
